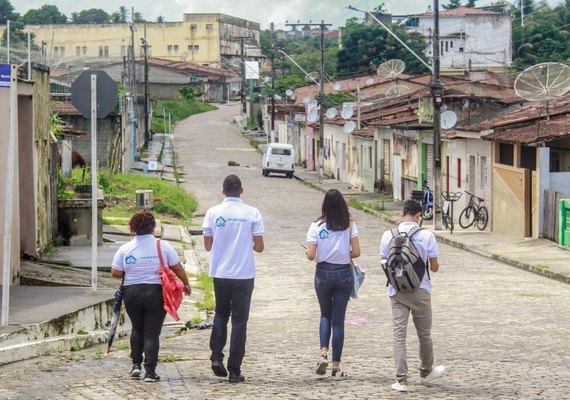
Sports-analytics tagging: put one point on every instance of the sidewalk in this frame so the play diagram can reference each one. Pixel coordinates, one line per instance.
(539, 256)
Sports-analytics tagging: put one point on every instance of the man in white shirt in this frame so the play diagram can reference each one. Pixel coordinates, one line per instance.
(232, 232)
(418, 302)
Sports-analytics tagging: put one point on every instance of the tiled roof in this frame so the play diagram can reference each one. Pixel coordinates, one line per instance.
(461, 11)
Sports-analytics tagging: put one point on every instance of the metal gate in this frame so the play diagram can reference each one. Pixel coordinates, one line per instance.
(564, 235)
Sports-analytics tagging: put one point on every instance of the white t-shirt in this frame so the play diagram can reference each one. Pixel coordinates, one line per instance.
(232, 224)
(332, 246)
(138, 258)
(425, 243)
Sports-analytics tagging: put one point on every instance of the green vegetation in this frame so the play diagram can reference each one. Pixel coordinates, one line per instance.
(206, 284)
(82, 332)
(359, 205)
(178, 110)
(172, 204)
(169, 358)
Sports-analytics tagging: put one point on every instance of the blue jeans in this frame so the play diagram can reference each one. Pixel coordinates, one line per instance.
(333, 284)
(233, 298)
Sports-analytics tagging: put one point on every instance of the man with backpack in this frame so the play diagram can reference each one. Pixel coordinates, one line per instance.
(408, 254)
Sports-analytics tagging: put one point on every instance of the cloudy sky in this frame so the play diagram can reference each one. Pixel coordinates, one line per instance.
(262, 11)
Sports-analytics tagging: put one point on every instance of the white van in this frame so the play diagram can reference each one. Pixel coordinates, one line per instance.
(278, 157)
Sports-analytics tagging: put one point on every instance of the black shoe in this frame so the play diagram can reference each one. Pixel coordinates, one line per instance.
(234, 378)
(136, 371)
(151, 377)
(218, 368)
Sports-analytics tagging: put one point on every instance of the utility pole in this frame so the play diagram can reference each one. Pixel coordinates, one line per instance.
(437, 96)
(322, 27)
(146, 91)
(242, 40)
(272, 129)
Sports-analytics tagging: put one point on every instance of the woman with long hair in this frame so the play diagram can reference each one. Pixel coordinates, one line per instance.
(138, 263)
(333, 241)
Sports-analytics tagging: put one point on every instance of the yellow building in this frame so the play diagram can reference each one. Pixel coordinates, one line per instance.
(207, 39)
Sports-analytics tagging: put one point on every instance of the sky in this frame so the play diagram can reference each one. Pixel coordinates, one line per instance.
(263, 11)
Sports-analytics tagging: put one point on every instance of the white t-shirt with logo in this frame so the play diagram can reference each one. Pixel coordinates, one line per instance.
(138, 258)
(332, 246)
(232, 224)
(425, 243)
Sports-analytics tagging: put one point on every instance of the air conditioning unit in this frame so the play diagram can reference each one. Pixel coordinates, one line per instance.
(144, 198)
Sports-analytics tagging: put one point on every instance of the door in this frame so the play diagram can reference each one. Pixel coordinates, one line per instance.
(397, 177)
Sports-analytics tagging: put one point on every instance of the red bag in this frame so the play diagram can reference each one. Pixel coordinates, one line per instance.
(172, 288)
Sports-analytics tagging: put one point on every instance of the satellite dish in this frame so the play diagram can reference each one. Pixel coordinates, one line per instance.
(370, 81)
(336, 86)
(306, 100)
(347, 112)
(396, 91)
(313, 103)
(349, 127)
(448, 119)
(289, 92)
(331, 113)
(391, 68)
(312, 115)
(543, 82)
(312, 77)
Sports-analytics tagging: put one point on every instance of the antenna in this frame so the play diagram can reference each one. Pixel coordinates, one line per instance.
(391, 68)
(448, 119)
(313, 114)
(331, 113)
(349, 127)
(346, 112)
(289, 92)
(396, 91)
(336, 86)
(543, 82)
(306, 100)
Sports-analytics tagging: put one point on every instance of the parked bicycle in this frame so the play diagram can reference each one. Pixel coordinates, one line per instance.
(447, 209)
(475, 214)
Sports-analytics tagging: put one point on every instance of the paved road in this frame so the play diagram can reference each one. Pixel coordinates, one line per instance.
(502, 332)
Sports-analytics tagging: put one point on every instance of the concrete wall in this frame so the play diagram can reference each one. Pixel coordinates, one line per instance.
(482, 40)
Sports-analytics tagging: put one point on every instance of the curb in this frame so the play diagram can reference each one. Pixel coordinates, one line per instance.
(517, 264)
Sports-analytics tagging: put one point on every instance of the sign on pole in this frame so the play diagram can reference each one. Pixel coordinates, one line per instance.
(4, 75)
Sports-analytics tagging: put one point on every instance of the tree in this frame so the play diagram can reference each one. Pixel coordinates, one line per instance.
(45, 15)
(137, 17)
(160, 19)
(380, 9)
(91, 16)
(364, 47)
(7, 12)
(471, 3)
(452, 4)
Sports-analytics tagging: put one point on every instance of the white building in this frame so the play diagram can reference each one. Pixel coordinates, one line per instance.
(470, 38)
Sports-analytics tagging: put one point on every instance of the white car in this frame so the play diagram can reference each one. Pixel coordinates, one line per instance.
(278, 157)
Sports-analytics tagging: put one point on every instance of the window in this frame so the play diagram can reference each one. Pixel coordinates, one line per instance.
(281, 152)
(506, 154)
(103, 51)
(169, 48)
(459, 172)
(193, 27)
(175, 49)
(370, 157)
(123, 51)
(77, 50)
(451, 44)
(461, 49)
(209, 27)
(528, 157)
(84, 49)
(441, 47)
(484, 173)
(59, 51)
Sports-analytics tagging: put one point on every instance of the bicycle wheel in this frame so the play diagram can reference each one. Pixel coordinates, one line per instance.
(482, 218)
(467, 217)
(427, 212)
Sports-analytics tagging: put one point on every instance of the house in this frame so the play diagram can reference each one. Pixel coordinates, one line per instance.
(530, 162)
(34, 160)
(210, 39)
(470, 38)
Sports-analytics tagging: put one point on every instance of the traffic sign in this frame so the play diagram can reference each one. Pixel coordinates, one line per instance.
(107, 97)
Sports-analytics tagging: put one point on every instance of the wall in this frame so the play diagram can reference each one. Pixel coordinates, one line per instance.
(107, 129)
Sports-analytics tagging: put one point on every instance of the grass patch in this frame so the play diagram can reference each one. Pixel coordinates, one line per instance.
(359, 205)
(178, 110)
(172, 204)
(206, 284)
(170, 358)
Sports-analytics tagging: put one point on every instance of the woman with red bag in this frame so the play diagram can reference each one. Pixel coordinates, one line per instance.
(138, 263)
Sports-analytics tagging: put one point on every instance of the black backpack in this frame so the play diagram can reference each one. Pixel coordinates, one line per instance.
(404, 266)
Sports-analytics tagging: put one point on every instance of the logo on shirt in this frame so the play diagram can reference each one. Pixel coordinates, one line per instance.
(324, 234)
(130, 260)
(220, 221)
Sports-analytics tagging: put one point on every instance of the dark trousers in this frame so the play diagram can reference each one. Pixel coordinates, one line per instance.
(145, 309)
(333, 284)
(233, 298)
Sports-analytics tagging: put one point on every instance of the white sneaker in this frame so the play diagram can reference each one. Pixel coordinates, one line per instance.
(322, 365)
(401, 386)
(436, 372)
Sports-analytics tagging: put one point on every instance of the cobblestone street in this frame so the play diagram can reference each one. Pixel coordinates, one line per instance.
(501, 332)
